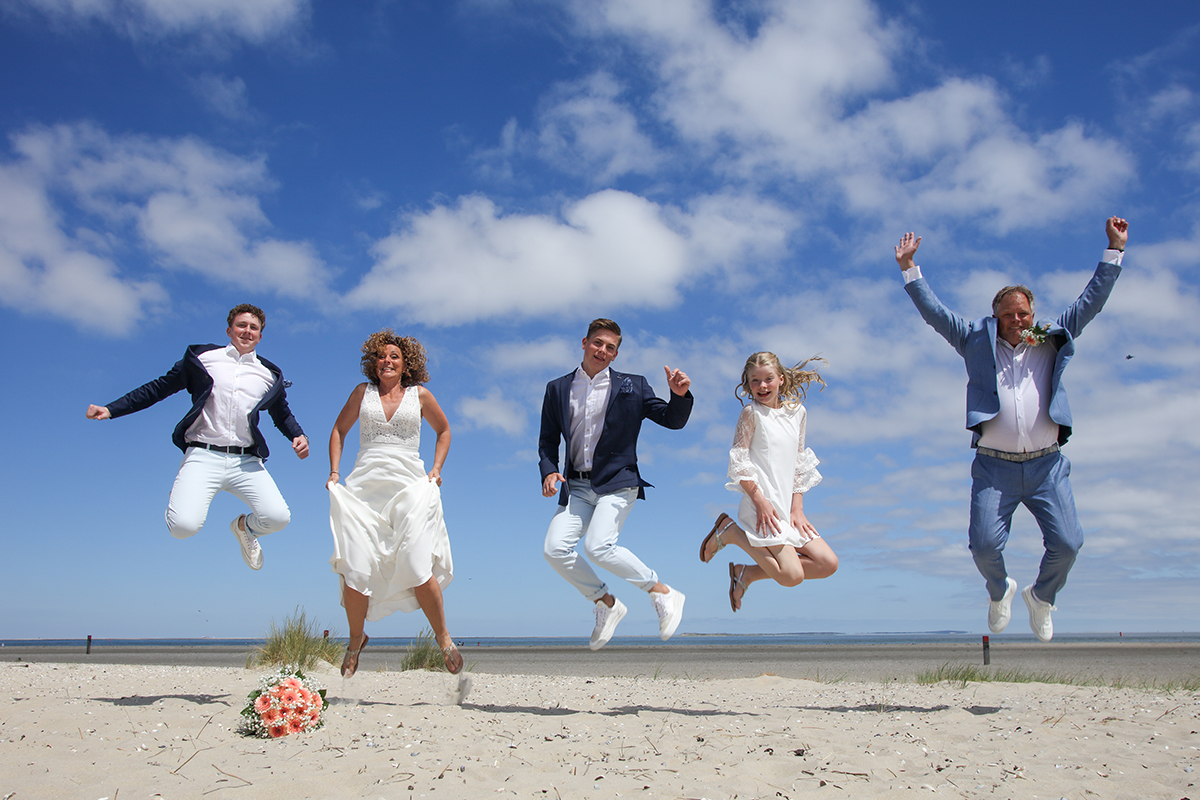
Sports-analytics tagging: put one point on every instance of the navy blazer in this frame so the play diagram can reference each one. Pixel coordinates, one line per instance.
(614, 464)
(189, 373)
(976, 343)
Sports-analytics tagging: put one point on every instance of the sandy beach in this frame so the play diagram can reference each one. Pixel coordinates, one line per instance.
(95, 730)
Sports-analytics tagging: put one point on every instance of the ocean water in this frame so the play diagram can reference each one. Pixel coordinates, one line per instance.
(686, 640)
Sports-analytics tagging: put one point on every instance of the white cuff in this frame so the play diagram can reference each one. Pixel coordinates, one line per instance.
(1113, 256)
(913, 273)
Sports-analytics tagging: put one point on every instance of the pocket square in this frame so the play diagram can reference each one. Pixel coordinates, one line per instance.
(626, 387)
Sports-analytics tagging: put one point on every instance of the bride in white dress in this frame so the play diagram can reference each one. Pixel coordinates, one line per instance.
(390, 546)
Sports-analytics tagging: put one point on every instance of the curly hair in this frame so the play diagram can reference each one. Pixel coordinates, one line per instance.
(411, 350)
(246, 308)
(794, 381)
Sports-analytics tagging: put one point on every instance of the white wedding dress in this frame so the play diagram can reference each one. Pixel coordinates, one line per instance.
(388, 533)
(768, 448)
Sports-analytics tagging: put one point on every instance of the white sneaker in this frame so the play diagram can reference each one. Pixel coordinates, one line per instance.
(1000, 611)
(1039, 615)
(251, 550)
(606, 622)
(669, 608)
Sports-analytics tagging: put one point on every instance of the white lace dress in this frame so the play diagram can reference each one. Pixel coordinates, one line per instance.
(768, 448)
(388, 533)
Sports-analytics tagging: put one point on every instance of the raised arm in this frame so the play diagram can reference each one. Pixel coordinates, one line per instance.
(1096, 293)
(951, 326)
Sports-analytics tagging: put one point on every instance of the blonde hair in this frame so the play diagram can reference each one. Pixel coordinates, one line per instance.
(794, 383)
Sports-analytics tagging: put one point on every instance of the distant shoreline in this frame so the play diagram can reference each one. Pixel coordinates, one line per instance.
(1127, 662)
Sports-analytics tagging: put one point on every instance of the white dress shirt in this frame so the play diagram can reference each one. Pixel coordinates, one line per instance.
(1023, 376)
(588, 403)
(239, 383)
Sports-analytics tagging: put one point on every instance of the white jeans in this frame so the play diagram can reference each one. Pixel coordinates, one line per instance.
(203, 473)
(597, 519)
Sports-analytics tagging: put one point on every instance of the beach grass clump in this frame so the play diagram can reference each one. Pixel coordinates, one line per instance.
(296, 642)
(962, 674)
(423, 653)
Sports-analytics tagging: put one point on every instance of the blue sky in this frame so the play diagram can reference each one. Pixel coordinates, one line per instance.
(489, 175)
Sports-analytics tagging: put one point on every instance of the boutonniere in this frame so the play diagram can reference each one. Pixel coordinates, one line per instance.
(626, 387)
(287, 384)
(1035, 335)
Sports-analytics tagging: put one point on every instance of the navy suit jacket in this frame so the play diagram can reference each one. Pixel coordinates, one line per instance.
(614, 464)
(189, 373)
(976, 343)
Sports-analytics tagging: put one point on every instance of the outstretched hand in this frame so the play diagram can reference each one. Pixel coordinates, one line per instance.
(678, 381)
(98, 412)
(1118, 232)
(907, 248)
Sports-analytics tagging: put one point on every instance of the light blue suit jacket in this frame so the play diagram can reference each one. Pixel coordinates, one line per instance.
(975, 341)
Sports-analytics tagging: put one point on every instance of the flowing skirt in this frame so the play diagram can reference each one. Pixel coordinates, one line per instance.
(778, 489)
(388, 533)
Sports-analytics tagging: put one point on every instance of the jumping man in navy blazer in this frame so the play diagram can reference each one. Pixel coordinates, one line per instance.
(1018, 416)
(598, 413)
(223, 448)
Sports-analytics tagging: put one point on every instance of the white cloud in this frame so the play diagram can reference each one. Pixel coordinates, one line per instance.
(225, 96)
(612, 249)
(806, 92)
(254, 20)
(493, 410)
(187, 205)
(43, 269)
(584, 129)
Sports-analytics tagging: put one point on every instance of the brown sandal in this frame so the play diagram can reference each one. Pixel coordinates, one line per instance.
(717, 529)
(453, 659)
(736, 571)
(350, 662)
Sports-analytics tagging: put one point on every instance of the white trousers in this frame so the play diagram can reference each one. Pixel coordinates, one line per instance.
(203, 473)
(597, 519)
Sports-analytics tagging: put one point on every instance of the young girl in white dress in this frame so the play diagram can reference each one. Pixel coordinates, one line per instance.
(772, 468)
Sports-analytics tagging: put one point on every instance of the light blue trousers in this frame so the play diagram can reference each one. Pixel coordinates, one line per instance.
(203, 473)
(597, 519)
(1043, 485)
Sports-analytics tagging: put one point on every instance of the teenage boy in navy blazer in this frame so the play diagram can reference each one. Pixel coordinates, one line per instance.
(223, 448)
(598, 413)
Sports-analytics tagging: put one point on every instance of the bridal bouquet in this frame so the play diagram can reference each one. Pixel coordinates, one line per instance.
(285, 702)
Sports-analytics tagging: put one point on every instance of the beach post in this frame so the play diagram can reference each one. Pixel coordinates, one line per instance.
(987, 652)
(326, 633)
(89, 647)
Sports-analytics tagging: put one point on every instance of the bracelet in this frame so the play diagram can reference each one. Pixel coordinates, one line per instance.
(334, 472)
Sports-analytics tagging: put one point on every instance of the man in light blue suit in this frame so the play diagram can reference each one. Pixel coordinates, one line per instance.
(597, 412)
(1018, 416)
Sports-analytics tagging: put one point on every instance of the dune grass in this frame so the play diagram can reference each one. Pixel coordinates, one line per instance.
(962, 674)
(296, 642)
(424, 653)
